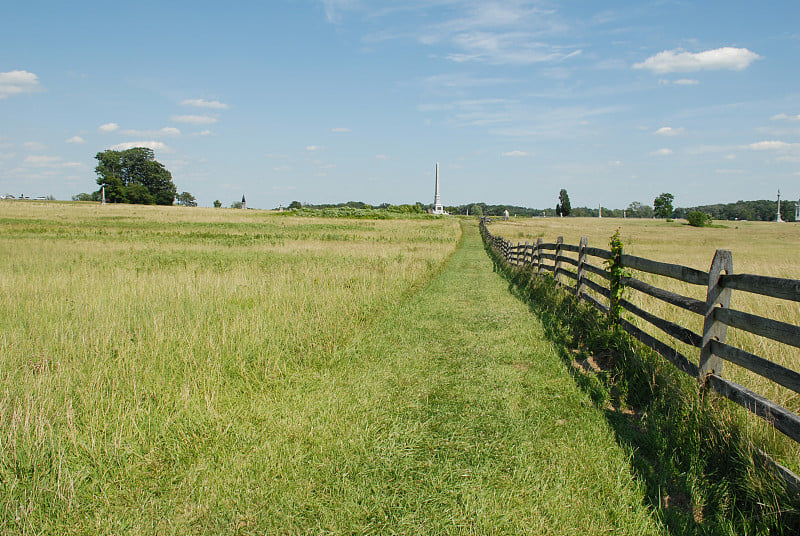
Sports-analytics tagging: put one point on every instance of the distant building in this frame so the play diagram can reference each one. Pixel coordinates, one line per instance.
(244, 203)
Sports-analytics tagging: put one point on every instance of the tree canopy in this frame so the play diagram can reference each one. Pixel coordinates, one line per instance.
(563, 207)
(134, 176)
(186, 199)
(662, 205)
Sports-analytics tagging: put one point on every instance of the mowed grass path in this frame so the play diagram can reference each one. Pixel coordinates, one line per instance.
(451, 416)
(448, 413)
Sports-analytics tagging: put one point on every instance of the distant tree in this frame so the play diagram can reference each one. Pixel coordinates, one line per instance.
(124, 173)
(699, 219)
(476, 210)
(217, 203)
(662, 205)
(186, 199)
(558, 209)
(638, 210)
(294, 205)
(86, 197)
(563, 200)
(236, 204)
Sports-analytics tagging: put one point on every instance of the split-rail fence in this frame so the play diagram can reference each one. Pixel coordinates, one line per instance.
(720, 281)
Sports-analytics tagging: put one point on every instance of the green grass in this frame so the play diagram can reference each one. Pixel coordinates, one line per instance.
(154, 385)
(692, 451)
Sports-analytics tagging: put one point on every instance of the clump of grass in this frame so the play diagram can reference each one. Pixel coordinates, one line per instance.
(693, 451)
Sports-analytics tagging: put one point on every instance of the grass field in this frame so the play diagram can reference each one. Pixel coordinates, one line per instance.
(201, 371)
(760, 248)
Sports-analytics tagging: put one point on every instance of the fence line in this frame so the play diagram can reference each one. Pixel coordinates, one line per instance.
(717, 315)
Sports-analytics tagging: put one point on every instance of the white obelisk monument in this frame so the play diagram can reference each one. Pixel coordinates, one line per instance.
(437, 200)
(778, 217)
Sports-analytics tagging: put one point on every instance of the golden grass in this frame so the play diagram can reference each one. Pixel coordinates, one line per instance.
(760, 248)
(118, 321)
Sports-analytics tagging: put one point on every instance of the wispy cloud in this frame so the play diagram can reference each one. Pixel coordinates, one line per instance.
(154, 145)
(785, 117)
(678, 61)
(515, 153)
(663, 152)
(381, 157)
(669, 131)
(166, 131)
(340, 129)
(202, 103)
(75, 139)
(773, 145)
(108, 127)
(45, 161)
(312, 148)
(18, 82)
(195, 119)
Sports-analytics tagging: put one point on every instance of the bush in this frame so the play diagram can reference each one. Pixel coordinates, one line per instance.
(699, 219)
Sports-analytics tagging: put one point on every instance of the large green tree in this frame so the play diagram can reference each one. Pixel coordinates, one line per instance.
(662, 205)
(134, 176)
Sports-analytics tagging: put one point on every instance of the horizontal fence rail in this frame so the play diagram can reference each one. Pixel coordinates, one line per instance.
(719, 282)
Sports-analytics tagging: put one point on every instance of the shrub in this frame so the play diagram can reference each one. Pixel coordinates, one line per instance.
(699, 219)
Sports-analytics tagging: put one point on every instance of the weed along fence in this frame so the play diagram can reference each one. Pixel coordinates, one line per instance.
(578, 270)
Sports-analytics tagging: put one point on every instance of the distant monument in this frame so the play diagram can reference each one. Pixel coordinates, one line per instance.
(244, 203)
(437, 199)
(778, 217)
(505, 215)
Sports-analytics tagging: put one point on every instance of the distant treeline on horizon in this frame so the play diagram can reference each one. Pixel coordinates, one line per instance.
(761, 210)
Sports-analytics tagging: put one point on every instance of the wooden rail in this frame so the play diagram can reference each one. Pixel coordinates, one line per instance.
(719, 282)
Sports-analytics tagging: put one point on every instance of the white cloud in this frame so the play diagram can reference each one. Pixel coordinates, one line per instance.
(668, 131)
(729, 171)
(340, 129)
(686, 82)
(108, 127)
(772, 145)
(615, 163)
(195, 119)
(33, 146)
(43, 161)
(677, 61)
(381, 157)
(154, 145)
(17, 83)
(76, 139)
(663, 152)
(312, 148)
(202, 103)
(166, 131)
(515, 153)
(785, 117)
(205, 132)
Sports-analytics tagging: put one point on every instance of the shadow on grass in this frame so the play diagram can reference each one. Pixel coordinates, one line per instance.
(688, 448)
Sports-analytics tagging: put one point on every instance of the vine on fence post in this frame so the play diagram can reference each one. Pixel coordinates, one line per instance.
(615, 274)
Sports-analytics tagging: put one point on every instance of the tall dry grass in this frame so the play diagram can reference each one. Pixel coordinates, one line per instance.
(130, 336)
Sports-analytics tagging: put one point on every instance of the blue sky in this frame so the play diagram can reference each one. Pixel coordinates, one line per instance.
(337, 100)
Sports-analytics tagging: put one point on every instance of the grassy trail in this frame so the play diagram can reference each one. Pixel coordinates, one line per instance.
(453, 416)
(449, 413)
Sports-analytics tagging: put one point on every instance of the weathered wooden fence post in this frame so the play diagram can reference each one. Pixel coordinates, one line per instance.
(579, 285)
(538, 253)
(525, 255)
(717, 296)
(557, 266)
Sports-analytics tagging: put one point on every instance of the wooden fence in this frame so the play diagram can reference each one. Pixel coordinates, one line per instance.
(720, 281)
